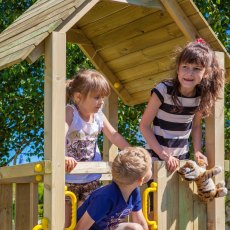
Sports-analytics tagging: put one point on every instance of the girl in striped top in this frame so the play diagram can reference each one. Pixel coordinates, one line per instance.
(176, 106)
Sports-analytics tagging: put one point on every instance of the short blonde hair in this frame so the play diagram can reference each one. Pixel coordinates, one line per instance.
(130, 165)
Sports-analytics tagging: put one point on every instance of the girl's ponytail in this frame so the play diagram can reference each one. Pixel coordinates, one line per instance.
(69, 91)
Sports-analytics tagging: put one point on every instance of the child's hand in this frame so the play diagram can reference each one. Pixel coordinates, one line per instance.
(172, 163)
(200, 157)
(70, 164)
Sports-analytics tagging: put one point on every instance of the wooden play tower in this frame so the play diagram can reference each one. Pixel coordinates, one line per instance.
(130, 42)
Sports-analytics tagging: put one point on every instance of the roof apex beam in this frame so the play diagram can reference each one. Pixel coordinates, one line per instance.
(82, 7)
(180, 19)
(145, 3)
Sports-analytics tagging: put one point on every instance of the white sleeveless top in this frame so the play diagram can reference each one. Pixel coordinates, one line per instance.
(81, 143)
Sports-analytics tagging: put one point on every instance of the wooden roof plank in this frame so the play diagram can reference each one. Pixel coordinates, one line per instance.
(33, 33)
(57, 11)
(117, 19)
(145, 69)
(44, 9)
(145, 3)
(145, 41)
(151, 53)
(181, 19)
(82, 7)
(16, 57)
(101, 10)
(20, 46)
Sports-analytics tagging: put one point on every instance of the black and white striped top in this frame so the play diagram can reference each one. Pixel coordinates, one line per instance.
(172, 128)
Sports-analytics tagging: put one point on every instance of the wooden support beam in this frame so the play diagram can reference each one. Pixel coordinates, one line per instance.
(82, 7)
(36, 53)
(180, 19)
(24, 170)
(111, 112)
(54, 129)
(215, 153)
(76, 36)
(145, 3)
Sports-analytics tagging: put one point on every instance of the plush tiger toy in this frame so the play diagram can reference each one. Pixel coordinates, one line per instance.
(207, 190)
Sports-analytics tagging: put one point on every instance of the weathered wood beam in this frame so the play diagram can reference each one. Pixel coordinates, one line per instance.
(36, 53)
(99, 63)
(180, 19)
(145, 3)
(82, 7)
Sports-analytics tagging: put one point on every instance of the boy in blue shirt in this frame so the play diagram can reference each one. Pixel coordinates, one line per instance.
(107, 206)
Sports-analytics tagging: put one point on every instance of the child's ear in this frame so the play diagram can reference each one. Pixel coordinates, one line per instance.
(77, 97)
(140, 181)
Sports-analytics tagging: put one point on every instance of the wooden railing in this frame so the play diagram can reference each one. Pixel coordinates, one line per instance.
(176, 206)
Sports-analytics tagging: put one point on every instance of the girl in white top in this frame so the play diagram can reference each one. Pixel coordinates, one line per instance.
(84, 122)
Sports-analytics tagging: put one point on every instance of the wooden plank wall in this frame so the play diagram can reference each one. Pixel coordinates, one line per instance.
(176, 207)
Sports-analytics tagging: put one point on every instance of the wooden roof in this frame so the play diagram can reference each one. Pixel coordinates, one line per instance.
(130, 41)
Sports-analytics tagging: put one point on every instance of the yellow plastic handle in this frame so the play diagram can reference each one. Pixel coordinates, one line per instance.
(152, 188)
(74, 209)
(42, 226)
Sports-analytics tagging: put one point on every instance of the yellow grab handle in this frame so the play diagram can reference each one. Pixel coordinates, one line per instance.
(74, 209)
(42, 226)
(152, 188)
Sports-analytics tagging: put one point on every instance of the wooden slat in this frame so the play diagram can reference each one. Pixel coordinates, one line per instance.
(181, 19)
(188, 8)
(147, 69)
(82, 7)
(36, 53)
(44, 25)
(34, 35)
(186, 199)
(26, 211)
(6, 204)
(117, 19)
(24, 170)
(21, 46)
(153, 52)
(147, 82)
(150, 53)
(16, 57)
(101, 10)
(144, 27)
(147, 3)
(38, 18)
(44, 10)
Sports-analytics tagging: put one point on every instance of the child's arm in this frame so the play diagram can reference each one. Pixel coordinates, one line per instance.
(70, 162)
(138, 217)
(145, 128)
(113, 135)
(197, 138)
(85, 222)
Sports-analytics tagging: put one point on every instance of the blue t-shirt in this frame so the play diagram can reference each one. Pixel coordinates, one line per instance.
(106, 206)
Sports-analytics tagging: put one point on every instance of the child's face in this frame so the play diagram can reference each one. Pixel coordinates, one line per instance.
(91, 103)
(190, 75)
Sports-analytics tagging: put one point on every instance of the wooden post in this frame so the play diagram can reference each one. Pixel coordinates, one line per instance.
(215, 153)
(55, 76)
(110, 111)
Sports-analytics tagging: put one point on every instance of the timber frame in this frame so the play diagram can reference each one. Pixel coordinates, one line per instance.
(130, 42)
